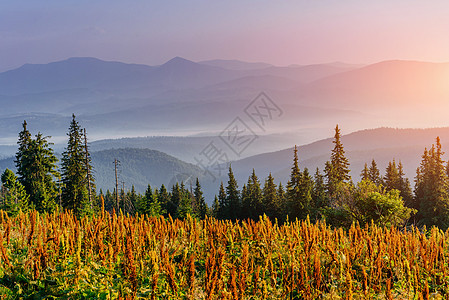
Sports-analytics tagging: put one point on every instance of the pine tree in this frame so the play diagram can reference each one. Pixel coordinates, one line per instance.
(201, 202)
(175, 199)
(123, 200)
(319, 195)
(374, 174)
(185, 204)
(404, 187)
(133, 199)
(109, 201)
(244, 205)
(391, 179)
(149, 203)
(271, 203)
(364, 175)
(222, 205)
(144, 202)
(154, 204)
(299, 190)
(431, 189)
(215, 208)
(395, 179)
(232, 197)
(252, 202)
(337, 170)
(75, 195)
(36, 167)
(283, 203)
(15, 198)
(22, 161)
(164, 200)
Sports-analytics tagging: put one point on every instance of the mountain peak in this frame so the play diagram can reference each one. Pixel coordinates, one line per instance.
(178, 61)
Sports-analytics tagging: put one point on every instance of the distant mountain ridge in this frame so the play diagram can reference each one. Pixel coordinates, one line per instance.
(182, 97)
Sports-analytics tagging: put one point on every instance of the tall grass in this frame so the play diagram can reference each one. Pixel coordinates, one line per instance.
(117, 256)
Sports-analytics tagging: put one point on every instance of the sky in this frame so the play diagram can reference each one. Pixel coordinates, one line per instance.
(278, 32)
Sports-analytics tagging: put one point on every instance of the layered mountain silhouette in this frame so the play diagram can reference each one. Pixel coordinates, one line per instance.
(182, 97)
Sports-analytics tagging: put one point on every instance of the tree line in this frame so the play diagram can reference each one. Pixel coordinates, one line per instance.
(39, 183)
(386, 200)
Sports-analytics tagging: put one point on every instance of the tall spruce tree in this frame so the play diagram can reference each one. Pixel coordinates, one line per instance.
(299, 190)
(404, 187)
(271, 203)
(186, 204)
(201, 206)
(252, 202)
(337, 169)
(364, 175)
(395, 179)
(222, 205)
(431, 189)
(215, 208)
(232, 208)
(283, 202)
(15, 198)
(164, 200)
(36, 167)
(319, 196)
(23, 155)
(74, 171)
(374, 174)
(175, 198)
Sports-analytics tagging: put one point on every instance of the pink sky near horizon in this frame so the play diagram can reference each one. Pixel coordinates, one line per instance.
(277, 32)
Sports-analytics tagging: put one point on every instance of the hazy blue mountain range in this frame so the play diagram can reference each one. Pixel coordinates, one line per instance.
(185, 98)
(181, 97)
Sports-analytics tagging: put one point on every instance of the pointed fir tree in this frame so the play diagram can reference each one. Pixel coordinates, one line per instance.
(319, 196)
(395, 179)
(109, 201)
(144, 202)
(36, 167)
(74, 170)
(133, 200)
(15, 199)
(374, 174)
(186, 204)
(431, 189)
(283, 202)
(271, 203)
(337, 170)
(244, 204)
(222, 205)
(23, 155)
(154, 205)
(232, 197)
(391, 179)
(201, 202)
(175, 198)
(215, 208)
(364, 175)
(164, 200)
(252, 202)
(404, 187)
(299, 190)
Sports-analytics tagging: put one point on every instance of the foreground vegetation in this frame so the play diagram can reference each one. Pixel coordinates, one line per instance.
(108, 256)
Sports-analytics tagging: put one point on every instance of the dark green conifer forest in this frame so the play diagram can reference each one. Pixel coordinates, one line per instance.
(385, 198)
